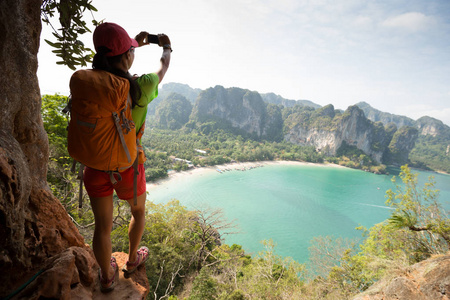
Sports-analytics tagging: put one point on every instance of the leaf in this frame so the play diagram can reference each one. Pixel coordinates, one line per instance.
(50, 43)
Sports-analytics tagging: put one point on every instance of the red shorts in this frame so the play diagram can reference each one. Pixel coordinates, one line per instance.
(98, 183)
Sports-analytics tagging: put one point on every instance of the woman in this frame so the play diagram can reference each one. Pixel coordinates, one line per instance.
(115, 54)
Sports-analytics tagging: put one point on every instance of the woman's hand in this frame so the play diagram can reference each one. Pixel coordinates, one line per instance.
(163, 40)
(142, 38)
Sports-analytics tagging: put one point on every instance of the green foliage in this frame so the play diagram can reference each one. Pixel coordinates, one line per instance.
(173, 112)
(352, 157)
(55, 122)
(270, 276)
(419, 211)
(431, 152)
(61, 180)
(417, 228)
(156, 165)
(221, 147)
(401, 144)
(275, 123)
(67, 46)
(204, 287)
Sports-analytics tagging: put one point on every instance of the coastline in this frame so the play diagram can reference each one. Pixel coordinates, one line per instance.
(238, 166)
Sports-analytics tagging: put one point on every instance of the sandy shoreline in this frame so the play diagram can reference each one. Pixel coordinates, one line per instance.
(174, 176)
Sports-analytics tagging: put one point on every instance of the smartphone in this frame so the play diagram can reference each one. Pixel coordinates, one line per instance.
(153, 39)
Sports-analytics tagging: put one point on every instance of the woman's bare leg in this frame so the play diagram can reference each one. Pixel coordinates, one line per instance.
(136, 228)
(103, 213)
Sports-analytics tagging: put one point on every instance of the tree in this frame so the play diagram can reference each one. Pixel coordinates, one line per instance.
(24, 151)
(271, 276)
(204, 287)
(211, 226)
(419, 211)
(71, 51)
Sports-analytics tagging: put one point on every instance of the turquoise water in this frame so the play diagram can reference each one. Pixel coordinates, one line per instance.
(290, 204)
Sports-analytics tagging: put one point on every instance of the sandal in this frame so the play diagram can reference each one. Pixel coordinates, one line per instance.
(142, 256)
(110, 283)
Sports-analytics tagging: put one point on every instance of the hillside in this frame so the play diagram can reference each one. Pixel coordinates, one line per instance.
(431, 150)
(384, 137)
(278, 100)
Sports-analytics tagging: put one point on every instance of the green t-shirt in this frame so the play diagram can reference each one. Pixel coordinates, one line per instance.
(149, 88)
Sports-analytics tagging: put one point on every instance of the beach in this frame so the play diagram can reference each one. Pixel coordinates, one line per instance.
(238, 166)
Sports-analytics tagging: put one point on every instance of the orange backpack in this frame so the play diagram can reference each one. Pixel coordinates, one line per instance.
(101, 133)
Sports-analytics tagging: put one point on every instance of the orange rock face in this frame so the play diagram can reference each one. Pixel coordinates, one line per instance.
(36, 234)
(427, 280)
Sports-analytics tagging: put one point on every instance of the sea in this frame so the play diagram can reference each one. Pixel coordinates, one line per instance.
(291, 204)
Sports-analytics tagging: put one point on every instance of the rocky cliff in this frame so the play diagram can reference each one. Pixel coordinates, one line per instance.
(37, 236)
(241, 109)
(433, 127)
(427, 280)
(324, 128)
(400, 145)
(278, 100)
(425, 125)
(33, 224)
(328, 130)
(376, 115)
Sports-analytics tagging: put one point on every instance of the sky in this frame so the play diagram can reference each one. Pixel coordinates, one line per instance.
(392, 54)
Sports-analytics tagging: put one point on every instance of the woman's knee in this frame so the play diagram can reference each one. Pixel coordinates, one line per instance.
(138, 213)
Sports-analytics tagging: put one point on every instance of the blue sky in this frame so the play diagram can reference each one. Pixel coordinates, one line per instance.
(395, 54)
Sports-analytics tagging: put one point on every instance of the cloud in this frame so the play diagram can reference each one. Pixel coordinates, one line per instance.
(362, 21)
(411, 21)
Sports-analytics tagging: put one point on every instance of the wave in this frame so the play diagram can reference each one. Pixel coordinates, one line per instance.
(373, 205)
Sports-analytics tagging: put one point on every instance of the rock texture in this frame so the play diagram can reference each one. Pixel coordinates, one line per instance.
(72, 274)
(427, 280)
(239, 109)
(433, 127)
(400, 145)
(36, 233)
(376, 115)
(425, 125)
(328, 131)
(278, 100)
(33, 224)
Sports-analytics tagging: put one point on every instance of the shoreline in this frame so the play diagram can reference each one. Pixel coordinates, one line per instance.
(238, 166)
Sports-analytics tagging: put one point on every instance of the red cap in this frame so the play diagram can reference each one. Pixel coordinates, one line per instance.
(113, 37)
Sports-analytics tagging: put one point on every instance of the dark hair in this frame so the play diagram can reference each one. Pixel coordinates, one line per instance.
(105, 63)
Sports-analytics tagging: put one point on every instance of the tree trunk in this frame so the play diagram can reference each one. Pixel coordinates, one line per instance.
(33, 223)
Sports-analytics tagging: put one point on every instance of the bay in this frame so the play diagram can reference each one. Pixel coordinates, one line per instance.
(289, 203)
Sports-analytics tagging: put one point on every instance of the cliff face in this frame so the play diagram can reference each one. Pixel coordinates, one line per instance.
(33, 224)
(239, 108)
(425, 125)
(278, 100)
(324, 128)
(433, 127)
(327, 131)
(427, 280)
(401, 145)
(376, 115)
(36, 233)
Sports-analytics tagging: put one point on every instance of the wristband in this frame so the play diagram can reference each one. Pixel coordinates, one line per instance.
(167, 46)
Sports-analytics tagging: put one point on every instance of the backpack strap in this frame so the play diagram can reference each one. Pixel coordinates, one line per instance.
(80, 193)
(127, 125)
(140, 133)
(136, 162)
(135, 175)
(112, 178)
(122, 139)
